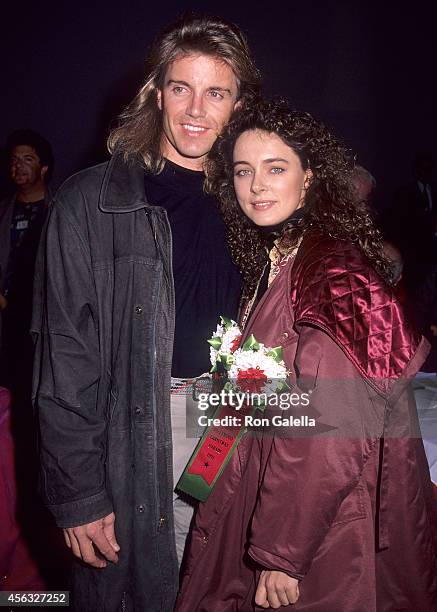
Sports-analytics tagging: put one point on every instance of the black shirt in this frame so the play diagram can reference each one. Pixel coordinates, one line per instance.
(26, 226)
(207, 283)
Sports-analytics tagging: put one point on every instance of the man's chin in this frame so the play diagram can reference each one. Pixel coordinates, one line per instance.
(195, 146)
(194, 152)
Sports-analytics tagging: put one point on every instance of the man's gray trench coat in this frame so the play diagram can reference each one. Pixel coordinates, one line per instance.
(103, 325)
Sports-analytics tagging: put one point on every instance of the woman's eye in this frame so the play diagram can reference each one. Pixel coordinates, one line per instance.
(277, 170)
(242, 172)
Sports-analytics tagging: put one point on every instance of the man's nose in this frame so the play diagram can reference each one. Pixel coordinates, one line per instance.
(196, 106)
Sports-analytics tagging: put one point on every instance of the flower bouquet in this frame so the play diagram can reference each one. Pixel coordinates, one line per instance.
(251, 368)
(250, 373)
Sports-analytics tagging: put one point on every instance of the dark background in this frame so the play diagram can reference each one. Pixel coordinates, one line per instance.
(367, 69)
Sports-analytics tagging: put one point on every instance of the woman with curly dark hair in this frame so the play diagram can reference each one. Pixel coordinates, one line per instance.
(338, 516)
(329, 197)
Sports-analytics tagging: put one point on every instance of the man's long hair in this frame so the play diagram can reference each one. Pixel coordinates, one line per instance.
(139, 130)
(329, 202)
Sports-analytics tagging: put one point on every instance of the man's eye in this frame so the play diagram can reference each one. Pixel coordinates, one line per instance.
(216, 94)
(178, 89)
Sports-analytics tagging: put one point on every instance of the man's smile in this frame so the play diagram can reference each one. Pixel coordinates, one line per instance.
(194, 129)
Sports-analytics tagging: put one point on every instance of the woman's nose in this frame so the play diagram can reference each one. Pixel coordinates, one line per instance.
(258, 183)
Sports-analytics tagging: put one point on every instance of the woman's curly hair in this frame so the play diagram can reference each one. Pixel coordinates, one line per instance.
(329, 202)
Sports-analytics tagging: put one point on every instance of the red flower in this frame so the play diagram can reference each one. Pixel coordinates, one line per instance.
(235, 344)
(251, 380)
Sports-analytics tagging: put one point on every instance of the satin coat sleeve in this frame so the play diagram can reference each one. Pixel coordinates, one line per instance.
(66, 375)
(306, 479)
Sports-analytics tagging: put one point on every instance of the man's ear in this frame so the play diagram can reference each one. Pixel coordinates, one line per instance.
(44, 170)
(238, 104)
(159, 98)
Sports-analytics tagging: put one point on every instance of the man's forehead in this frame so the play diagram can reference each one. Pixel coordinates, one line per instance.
(194, 66)
(24, 150)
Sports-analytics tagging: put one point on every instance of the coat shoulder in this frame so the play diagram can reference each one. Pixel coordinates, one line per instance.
(81, 190)
(333, 269)
(335, 288)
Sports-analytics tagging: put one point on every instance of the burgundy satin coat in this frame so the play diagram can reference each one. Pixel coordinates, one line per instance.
(350, 513)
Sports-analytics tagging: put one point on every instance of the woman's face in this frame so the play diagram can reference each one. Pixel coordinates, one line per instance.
(269, 180)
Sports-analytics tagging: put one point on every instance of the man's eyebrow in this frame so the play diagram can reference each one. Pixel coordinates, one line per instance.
(212, 88)
(218, 88)
(270, 160)
(176, 82)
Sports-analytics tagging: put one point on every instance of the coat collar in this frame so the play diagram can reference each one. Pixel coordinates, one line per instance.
(123, 186)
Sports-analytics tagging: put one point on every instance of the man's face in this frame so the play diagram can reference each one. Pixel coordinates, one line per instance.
(197, 99)
(25, 167)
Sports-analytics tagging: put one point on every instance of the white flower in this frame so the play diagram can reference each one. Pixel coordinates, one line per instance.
(213, 354)
(243, 360)
(227, 337)
(219, 331)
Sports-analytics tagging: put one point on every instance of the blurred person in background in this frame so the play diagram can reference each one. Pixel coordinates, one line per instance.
(411, 222)
(22, 215)
(364, 186)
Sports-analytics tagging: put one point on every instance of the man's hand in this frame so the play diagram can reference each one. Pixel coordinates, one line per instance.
(98, 535)
(276, 589)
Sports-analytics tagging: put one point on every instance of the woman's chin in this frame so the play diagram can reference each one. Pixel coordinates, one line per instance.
(266, 221)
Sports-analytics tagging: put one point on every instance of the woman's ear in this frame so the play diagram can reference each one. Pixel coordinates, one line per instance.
(308, 178)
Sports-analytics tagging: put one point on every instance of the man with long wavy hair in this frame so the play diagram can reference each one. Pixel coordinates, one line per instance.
(133, 274)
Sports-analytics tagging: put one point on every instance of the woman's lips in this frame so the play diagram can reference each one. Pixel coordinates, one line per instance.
(263, 205)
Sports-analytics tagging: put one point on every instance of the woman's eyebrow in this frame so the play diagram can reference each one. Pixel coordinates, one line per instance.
(275, 159)
(270, 160)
